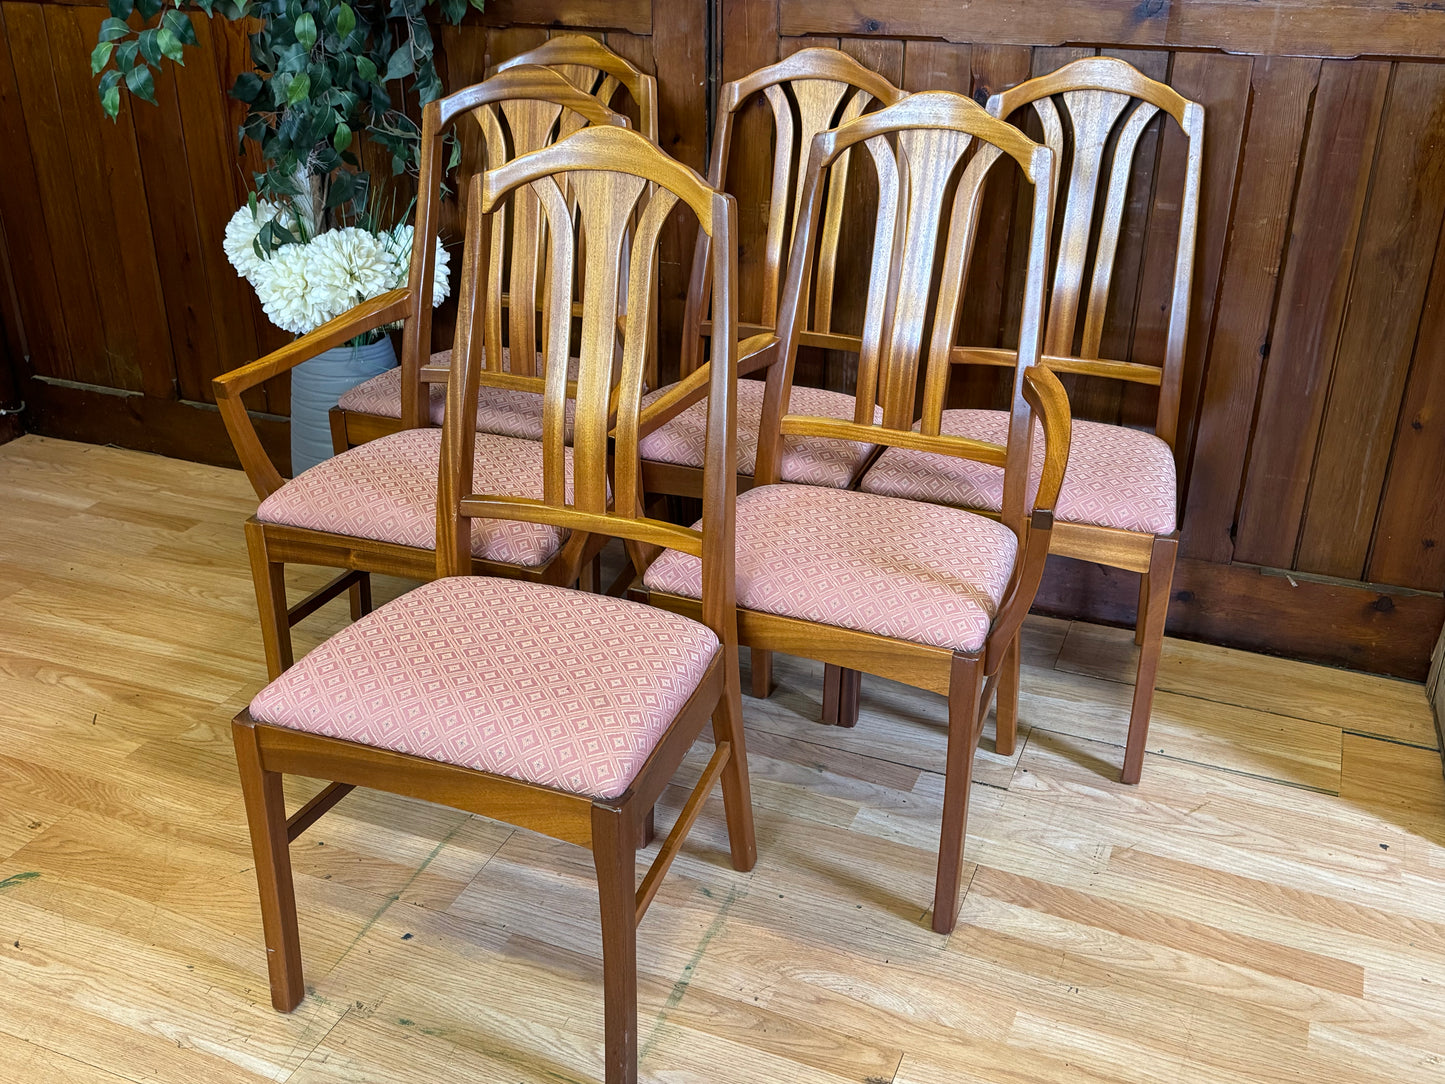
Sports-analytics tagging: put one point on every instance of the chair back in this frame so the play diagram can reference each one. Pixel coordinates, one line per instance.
(1093, 113)
(592, 67)
(931, 153)
(518, 111)
(592, 188)
(808, 92)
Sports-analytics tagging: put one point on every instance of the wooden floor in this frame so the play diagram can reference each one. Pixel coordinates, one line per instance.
(1267, 905)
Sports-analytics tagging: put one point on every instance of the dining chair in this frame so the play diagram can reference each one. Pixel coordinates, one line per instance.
(553, 709)
(526, 107)
(927, 595)
(808, 92)
(1118, 504)
(373, 507)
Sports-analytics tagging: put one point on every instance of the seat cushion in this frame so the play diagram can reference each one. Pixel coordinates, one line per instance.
(1116, 477)
(814, 461)
(505, 411)
(385, 490)
(912, 571)
(552, 686)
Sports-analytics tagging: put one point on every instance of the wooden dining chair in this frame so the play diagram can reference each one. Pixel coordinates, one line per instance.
(808, 92)
(373, 507)
(556, 710)
(522, 109)
(1118, 505)
(927, 595)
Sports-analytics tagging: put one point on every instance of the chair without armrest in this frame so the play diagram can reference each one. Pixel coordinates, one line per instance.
(372, 508)
(837, 575)
(1119, 502)
(523, 109)
(589, 781)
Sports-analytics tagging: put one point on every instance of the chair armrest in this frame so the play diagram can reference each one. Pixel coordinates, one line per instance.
(1050, 404)
(388, 308)
(692, 388)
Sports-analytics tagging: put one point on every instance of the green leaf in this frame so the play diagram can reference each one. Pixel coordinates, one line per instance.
(150, 47)
(398, 165)
(177, 23)
(366, 69)
(456, 155)
(345, 21)
(248, 87)
(341, 139)
(113, 30)
(110, 93)
(401, 64)
(100, 56)
(299, 89)
(125, 54)
(170, 45)
(138, 80)
(305, 31)
(121, 9)
(149, 8)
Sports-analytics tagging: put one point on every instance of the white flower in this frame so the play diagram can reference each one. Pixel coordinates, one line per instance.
(347, 266)
(241, 231)
(284, 287)
(398, 244)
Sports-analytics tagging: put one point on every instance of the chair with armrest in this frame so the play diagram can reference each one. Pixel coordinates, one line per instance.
(808, 92)
(927, 595)
(1118, 505)
(373, 507)
(554, 709)
(523, 109)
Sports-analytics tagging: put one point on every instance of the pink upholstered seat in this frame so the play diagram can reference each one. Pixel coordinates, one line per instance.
(386, 490)
(1117, 477)
(913, 571)
(557, 687)
(505, 411)
(813, 461)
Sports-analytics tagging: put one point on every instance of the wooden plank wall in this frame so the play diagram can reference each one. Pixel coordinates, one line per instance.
(1311, 438)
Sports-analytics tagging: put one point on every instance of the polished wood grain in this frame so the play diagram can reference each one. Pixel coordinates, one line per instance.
(1233, 917)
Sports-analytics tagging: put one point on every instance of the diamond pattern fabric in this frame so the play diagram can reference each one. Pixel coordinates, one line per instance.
(912, 571)
(813, 461)
(1116, 477)
(548, 685)
(386, 490)
(504, 411)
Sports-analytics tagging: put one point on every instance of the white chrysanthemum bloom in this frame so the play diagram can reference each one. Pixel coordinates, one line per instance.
(241, 231)
(286, 292)
(348, 266)
(398, 244)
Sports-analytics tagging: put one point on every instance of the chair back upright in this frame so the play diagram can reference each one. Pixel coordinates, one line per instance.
(931, 154)
(1093, 113)
(595, 69)
(592, 188)
(808, 92)
(517, 111)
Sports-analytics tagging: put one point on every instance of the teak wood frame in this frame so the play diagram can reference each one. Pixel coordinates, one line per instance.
(606, 171)
(1097, 93)
(533, 98)
(527, 106)
(826, 87)
(918, 147)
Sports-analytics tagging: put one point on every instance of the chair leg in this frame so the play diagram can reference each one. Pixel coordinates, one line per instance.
(649, 829)
(1006, 720)
(965, 686)
(762, 667)
(727, 725)
(266, 816)
(1153, 614)
(1143, 607)
(612, 854)
(841, 689)
(269, 578)
(361, 597)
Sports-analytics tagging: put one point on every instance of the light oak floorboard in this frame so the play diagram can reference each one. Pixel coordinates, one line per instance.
(1268, 904)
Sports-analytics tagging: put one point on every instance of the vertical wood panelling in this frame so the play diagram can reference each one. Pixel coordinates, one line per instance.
(1282, 88)
(1325, 227)
(1397, 244)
